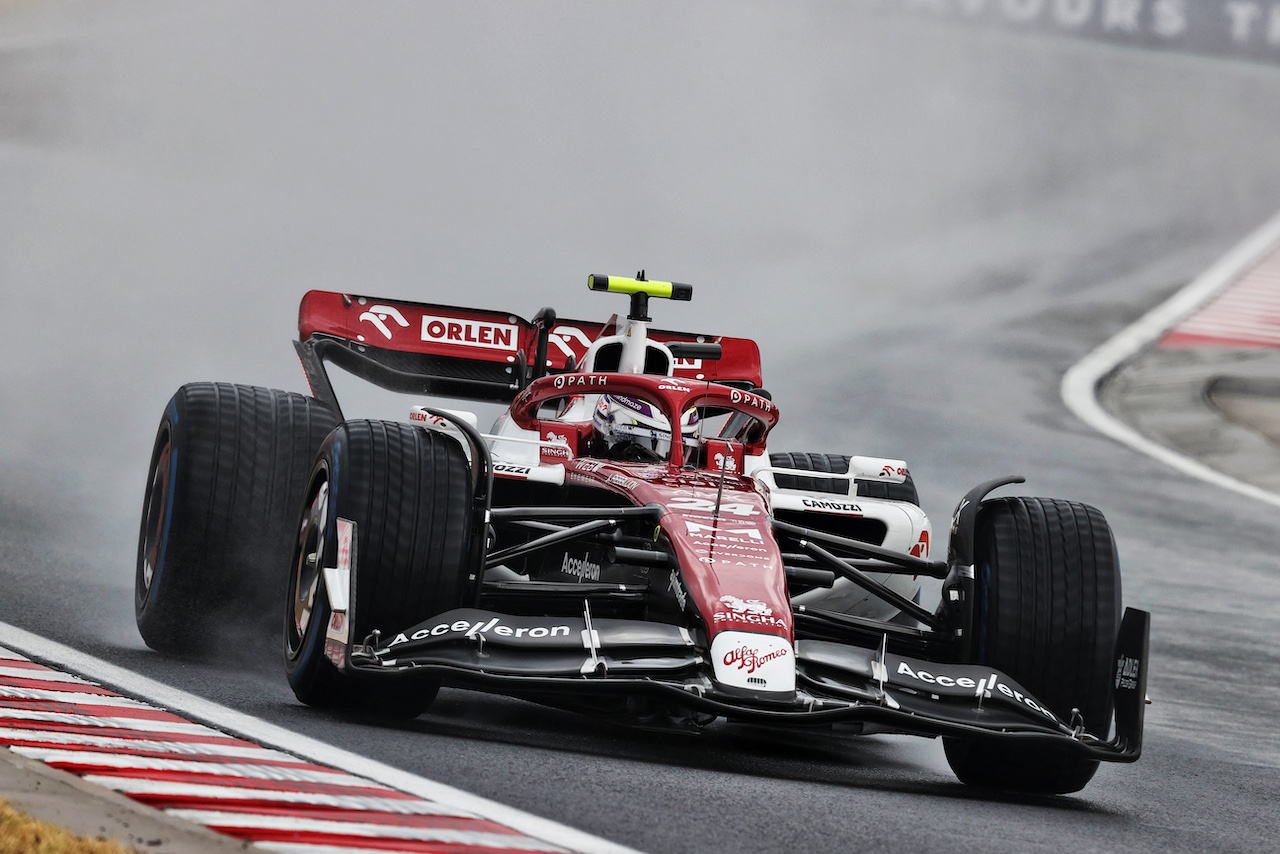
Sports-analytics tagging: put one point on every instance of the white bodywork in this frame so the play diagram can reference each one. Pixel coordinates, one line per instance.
(907, 529)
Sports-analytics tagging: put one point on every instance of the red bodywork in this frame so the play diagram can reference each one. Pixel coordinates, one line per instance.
(729, 559)
(494, 336)
(730, 562)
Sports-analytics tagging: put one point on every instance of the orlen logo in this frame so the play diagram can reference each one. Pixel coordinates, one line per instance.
(469, 333)
(378, 315)
(890, 471)
(427, 418)
(571, 341)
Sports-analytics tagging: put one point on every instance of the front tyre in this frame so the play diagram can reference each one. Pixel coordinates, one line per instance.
(227, 474)
(1046, 612)
(407, 492)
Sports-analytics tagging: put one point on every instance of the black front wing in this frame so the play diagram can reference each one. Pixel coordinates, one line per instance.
(540, 657)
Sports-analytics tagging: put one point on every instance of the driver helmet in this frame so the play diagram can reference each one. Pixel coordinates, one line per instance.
(637, 430)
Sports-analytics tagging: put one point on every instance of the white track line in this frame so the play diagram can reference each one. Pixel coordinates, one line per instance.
(1079, 385)
(246, 726)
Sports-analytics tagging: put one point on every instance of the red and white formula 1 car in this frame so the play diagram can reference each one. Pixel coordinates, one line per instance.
(623, 543)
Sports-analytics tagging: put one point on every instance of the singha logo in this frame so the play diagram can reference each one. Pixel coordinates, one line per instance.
(746, 606)
(726, 462)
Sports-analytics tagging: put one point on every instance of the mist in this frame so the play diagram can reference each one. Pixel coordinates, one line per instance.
(177, 175)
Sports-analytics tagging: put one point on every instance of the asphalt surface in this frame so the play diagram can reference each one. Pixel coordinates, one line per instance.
(1218, 405)
(924, 227)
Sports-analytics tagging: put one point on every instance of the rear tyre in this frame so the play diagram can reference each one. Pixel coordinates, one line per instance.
(837, 464)
(408, 493)
(1046, 613)
(227, 474)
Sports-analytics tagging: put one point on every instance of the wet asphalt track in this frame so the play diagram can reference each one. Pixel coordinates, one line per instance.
(923, 226)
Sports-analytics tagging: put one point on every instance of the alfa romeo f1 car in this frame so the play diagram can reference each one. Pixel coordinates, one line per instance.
(623, 542)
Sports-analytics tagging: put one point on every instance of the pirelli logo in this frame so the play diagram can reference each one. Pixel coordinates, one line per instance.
(469, 333)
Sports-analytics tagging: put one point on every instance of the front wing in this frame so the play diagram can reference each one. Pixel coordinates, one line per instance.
(836, 682)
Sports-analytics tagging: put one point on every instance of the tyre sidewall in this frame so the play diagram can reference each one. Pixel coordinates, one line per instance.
(310, 673)
(158, 607)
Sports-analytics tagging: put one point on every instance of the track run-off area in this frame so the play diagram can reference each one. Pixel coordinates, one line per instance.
(925, 226)
(276, 799)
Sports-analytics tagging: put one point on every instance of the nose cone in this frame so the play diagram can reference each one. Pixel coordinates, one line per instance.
(755, 662)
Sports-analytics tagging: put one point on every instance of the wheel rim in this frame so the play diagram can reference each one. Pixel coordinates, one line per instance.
(154, 522)
(305, 585)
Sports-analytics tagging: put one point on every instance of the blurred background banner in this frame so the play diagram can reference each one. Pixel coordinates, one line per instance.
(1242, 29)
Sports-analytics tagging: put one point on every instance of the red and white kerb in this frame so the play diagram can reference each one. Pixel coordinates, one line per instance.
(1244, 316)
(272, 799)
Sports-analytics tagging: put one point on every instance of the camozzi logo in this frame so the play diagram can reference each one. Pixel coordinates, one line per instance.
(837, 506)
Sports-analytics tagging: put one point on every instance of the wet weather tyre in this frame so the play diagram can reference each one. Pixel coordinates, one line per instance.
(1046, 613)
(836, 464)
(407, 491)
(228, 469)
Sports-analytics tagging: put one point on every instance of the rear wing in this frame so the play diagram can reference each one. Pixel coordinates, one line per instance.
(471, 354)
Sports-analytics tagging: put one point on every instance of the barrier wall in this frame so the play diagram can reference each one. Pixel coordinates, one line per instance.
(1241, 29)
